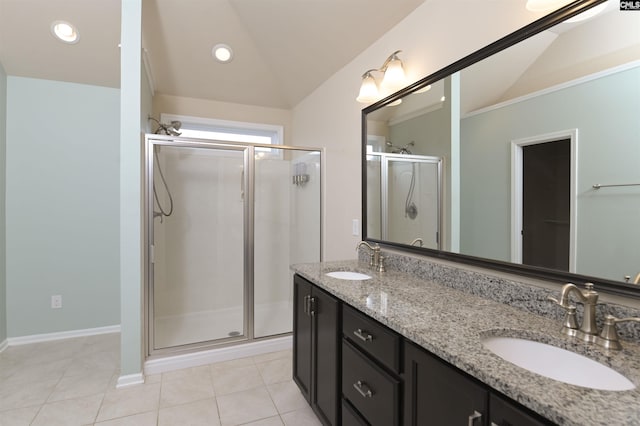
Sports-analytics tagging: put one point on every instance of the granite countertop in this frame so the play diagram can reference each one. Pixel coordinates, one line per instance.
(451, 324)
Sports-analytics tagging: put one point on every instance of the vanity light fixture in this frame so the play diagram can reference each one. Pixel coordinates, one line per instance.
(65, 32)
(392, 79)
(222, 53)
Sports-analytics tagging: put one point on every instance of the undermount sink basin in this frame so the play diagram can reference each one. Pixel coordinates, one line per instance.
(348, 275)
(558, 364)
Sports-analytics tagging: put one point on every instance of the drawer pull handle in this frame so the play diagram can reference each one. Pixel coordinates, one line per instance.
(473, 417)
(363, 389)
(360, 334)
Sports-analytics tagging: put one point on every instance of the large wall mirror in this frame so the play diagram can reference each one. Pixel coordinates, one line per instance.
(524, 156)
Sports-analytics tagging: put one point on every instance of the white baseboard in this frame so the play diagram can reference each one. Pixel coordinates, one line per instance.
(161, 365)
(35, 338)
(130, 380)
(4, 345)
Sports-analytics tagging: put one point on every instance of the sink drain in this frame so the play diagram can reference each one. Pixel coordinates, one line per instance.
(234, 333)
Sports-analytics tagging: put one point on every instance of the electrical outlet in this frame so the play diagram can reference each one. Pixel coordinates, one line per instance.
(56, 302)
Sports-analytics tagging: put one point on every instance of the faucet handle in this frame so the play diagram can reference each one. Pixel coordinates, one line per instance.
(570, 321)
(609, 335)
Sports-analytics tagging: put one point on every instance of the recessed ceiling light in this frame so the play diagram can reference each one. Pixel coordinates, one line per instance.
(65, 32)
(222, 53)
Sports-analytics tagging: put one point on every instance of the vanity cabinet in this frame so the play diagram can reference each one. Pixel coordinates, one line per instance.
(370, 369)
(355, 371)
(316, 348)
(505, 413)
(437, 393)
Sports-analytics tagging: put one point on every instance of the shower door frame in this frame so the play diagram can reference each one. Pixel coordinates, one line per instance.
(385, 158)
(249, 150)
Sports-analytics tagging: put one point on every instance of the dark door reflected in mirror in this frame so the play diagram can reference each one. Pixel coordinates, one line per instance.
(539, 150)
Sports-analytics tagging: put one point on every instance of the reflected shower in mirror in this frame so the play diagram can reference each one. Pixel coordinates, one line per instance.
(525, 137)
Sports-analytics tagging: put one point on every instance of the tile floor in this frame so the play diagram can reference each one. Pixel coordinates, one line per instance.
(72, 382)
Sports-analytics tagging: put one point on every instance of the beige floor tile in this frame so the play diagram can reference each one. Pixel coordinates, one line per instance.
(152, 378)
(96, 361)
(236, 379)
(54, 351)
(130, 400)
(79, 386)
(176, 392)
(79, 411)
(143, 419)
(199, 413)
(303, 417)
(246, 406)
(101, 343)
(19, 416)
(44, 371)
(8, 366)
(186, 374)
(234, 363)
(286, 396)
(25, 395)
(270, 356)
(270, 421)
(275, 371)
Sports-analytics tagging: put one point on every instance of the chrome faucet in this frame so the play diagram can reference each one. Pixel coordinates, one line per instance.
(376, 260)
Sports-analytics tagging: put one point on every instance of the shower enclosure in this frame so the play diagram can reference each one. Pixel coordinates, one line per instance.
(404, 194)
(225, 221)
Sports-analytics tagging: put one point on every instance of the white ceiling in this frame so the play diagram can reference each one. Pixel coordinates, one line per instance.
(283, 49)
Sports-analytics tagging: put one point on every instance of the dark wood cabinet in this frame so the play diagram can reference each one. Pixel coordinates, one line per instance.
(316, 349)
(355, 371)
(438, 394)
(503, 412)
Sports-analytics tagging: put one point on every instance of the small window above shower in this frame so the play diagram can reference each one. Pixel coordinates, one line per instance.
(230, 131)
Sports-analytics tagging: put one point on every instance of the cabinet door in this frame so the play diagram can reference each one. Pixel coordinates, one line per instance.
(325, 314)
(437, 394)
(302, 336)
(506, 413)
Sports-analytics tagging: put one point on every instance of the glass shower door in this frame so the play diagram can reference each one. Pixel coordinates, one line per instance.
(198, 244)
(286, 231)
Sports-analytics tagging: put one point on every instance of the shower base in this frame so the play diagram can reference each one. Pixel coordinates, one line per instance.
(204, 326)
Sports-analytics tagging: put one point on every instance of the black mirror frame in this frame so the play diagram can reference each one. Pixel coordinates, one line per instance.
(544, 23)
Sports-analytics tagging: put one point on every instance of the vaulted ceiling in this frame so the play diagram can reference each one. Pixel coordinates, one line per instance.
(283, 49)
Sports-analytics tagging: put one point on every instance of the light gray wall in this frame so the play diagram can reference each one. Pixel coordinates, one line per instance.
(3, 165)
(608, 152)
(61, 206)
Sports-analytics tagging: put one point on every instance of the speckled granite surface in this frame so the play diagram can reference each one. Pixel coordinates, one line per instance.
(429, 308)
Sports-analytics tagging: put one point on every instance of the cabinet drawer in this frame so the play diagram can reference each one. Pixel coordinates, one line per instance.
(372, 337)
(350, 416)
(374, 393)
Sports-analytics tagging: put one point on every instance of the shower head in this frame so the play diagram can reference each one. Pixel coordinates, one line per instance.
(167, 129)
